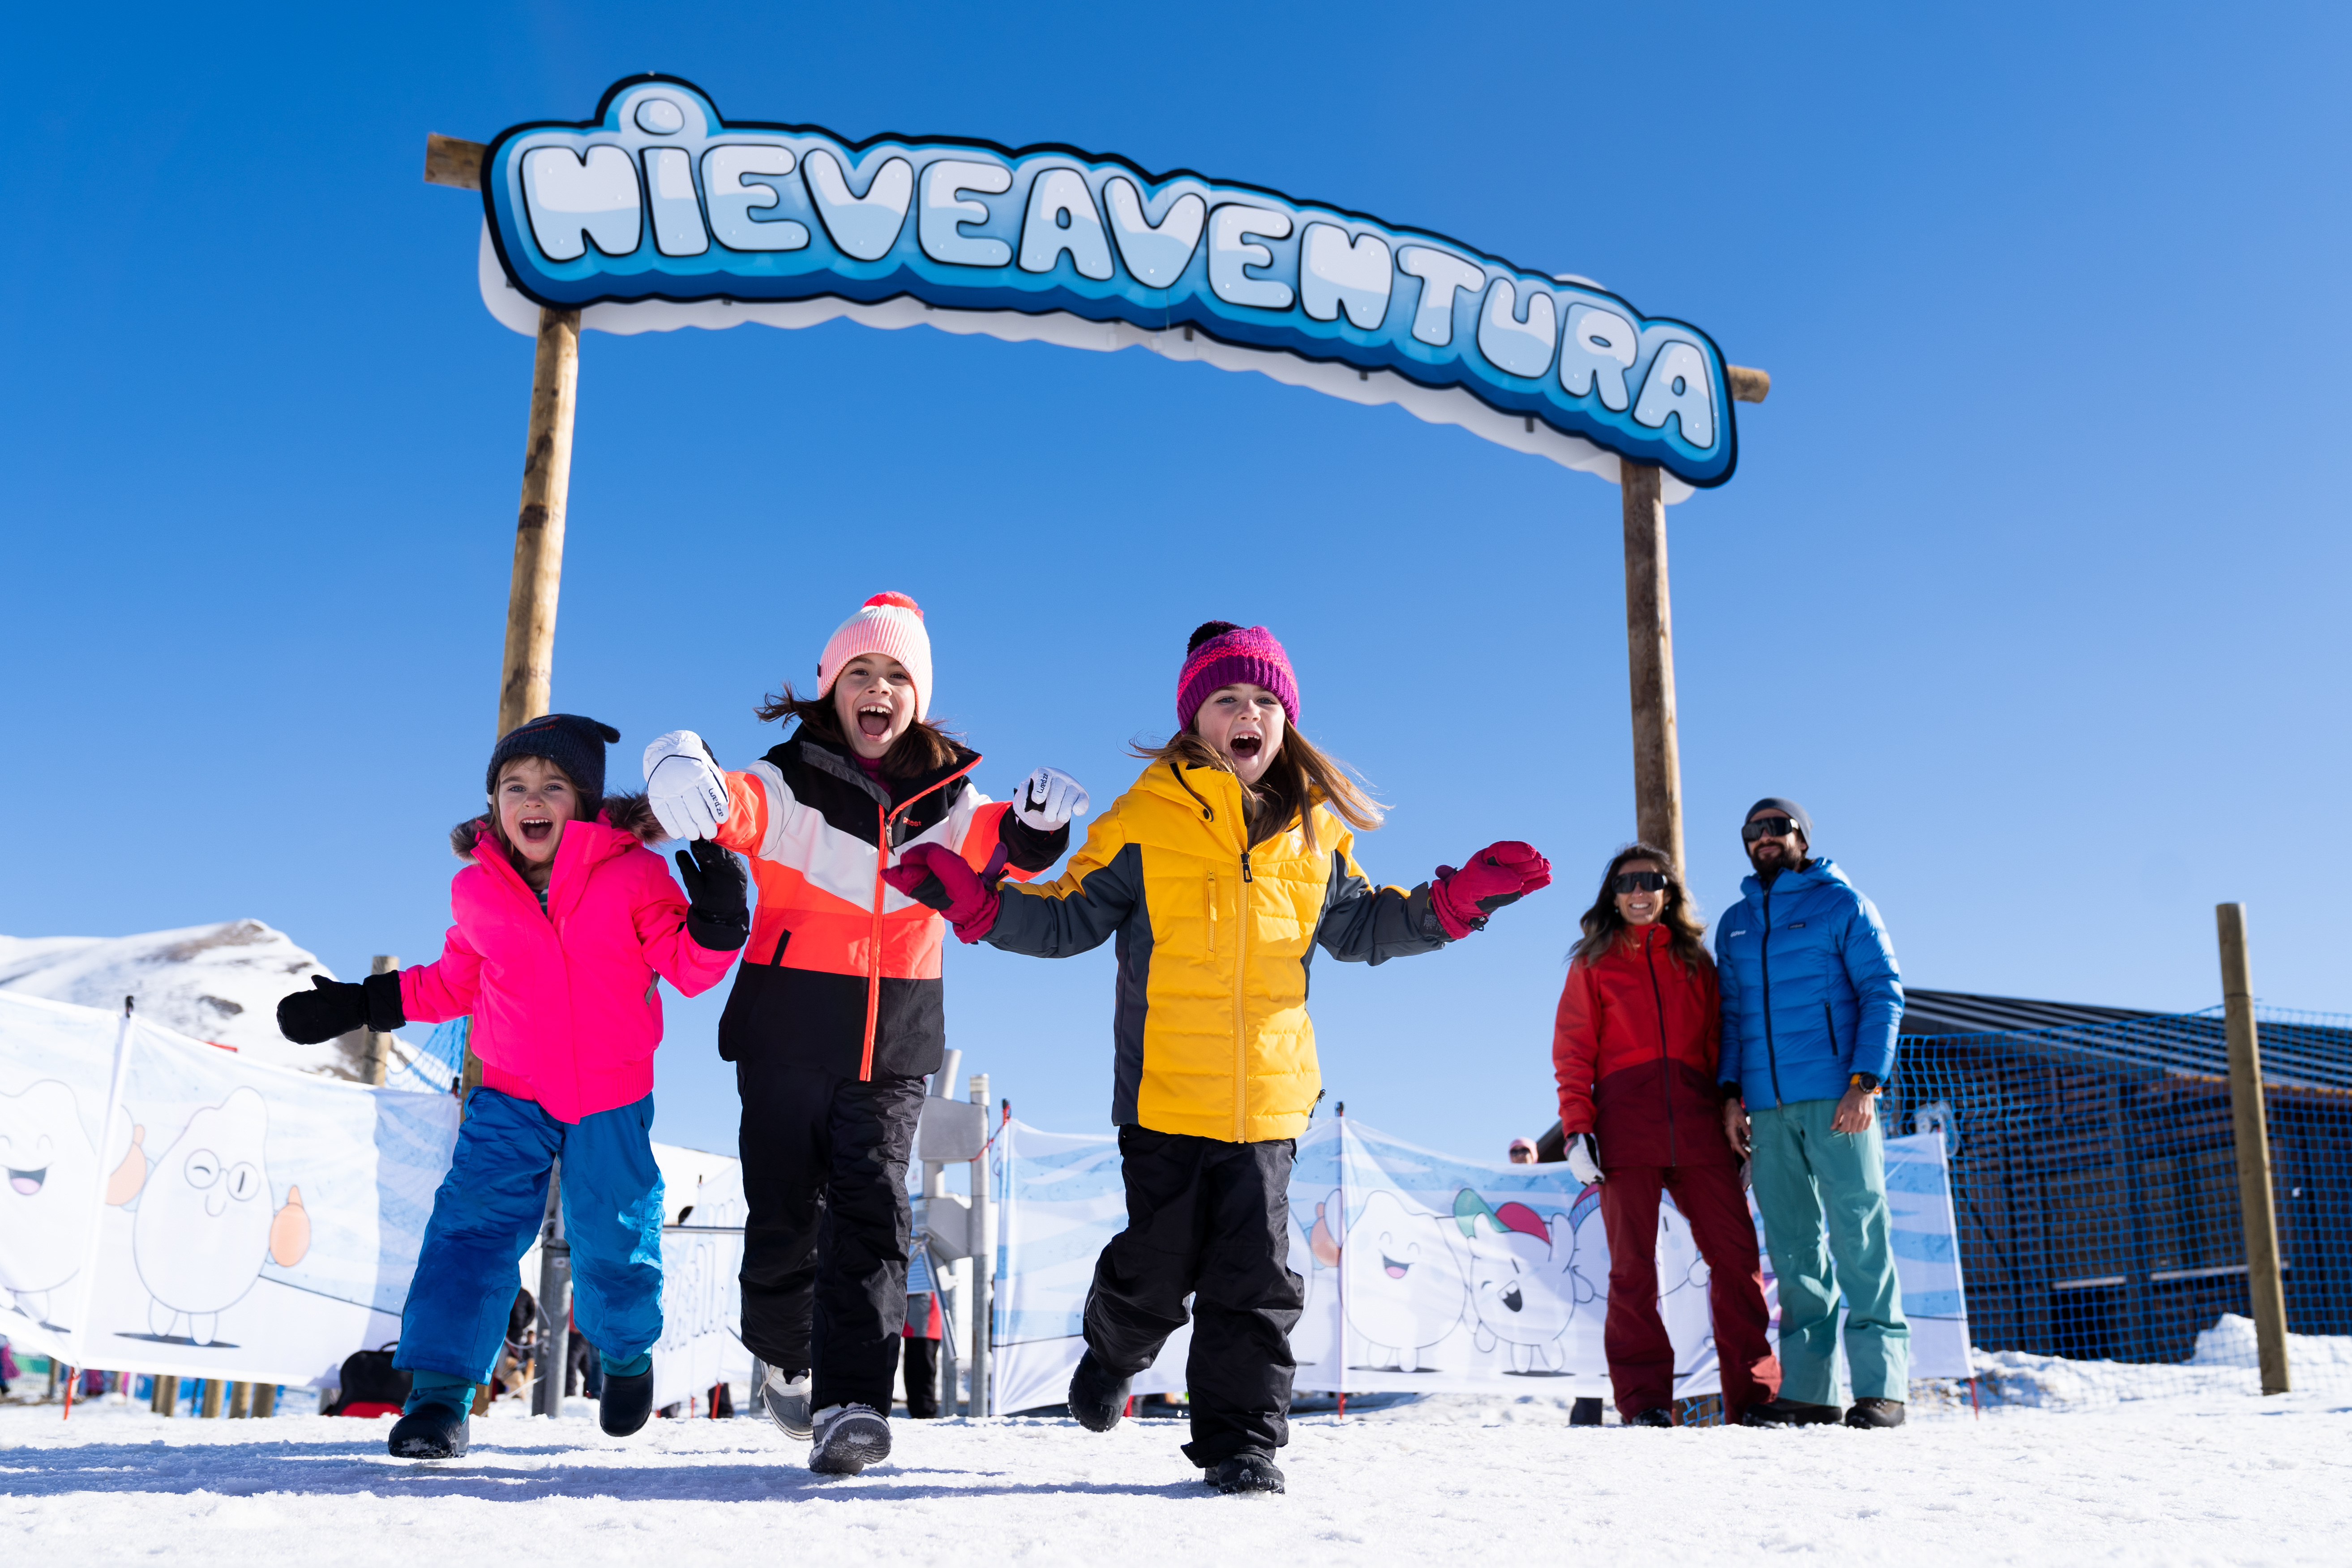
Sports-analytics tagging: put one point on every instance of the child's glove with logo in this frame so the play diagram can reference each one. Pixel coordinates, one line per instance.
(684, 786)
(335, 1007)
(1048, 799)
(1584, 1158)
(935, 875)
(718, 909)
(1501, 873)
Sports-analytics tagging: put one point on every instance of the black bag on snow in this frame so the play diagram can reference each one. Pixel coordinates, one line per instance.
(370, 1378)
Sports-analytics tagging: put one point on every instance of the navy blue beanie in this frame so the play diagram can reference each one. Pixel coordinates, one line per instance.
(572, 743)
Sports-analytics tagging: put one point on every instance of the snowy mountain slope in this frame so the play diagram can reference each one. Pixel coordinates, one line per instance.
(219, 982)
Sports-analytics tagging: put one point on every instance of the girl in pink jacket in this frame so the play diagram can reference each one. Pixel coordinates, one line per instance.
(564, 926)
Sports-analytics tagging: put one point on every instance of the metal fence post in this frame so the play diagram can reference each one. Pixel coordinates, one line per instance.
(2265, 1286)
(983, 1264)
(554, 1310)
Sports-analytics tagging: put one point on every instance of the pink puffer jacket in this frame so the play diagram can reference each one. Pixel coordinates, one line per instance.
(566, 1005)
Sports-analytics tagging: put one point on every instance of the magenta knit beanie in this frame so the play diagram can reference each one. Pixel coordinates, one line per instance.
(1223, 654)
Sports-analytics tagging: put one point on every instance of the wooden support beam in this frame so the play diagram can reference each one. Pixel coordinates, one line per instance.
(379, 1046)
(449, 161)
(1650, 663)
(2257, 1211)
(1747, 385)
(539, 523)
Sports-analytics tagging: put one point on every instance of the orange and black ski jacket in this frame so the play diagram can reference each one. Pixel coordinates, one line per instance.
(1635, 1045)
(842, 972)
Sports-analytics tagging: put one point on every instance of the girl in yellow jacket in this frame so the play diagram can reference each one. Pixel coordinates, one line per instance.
(1219, 872)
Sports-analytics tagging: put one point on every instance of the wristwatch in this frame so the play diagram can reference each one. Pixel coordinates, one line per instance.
(1867, 1082)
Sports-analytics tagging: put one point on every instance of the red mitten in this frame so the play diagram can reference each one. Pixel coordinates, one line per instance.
(1499, 874)
(935, 875)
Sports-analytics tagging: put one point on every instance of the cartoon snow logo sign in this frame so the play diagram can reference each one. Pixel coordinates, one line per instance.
(48, 1174)
(206, 1225)
(1403, 1284)
(1522, 1290)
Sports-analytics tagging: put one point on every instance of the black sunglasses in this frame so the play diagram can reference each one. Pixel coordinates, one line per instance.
(1638, 882)
(1768, 828)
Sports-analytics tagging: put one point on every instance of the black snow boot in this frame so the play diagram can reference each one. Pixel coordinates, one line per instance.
(1655, 1415)
(627, 1402)
(431, 1431)
(848, 1438)
(1096, 1398)
(1247, 1471)
(1875, 1413)
(1790, 1412)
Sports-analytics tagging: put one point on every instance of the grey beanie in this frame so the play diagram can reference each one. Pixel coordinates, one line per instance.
(1786, 807)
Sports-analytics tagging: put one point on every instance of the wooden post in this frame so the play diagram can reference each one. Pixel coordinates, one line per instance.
(240, 1401)
(212, 1406)
(162, 1392)
(538, 524)
(983, 1263)
(1650, 662)
(2265, 1281)
(379, 1046)
(265, 1400)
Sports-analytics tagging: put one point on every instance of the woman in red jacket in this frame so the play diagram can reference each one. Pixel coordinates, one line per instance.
(1634, 1045)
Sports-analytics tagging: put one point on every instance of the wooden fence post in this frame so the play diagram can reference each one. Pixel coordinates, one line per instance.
(379, 1046)
(211, 1401)
(2265, 1281)
(539, 522)
(265, 1400)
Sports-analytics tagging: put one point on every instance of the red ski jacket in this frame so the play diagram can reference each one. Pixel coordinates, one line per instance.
(1635, 1046)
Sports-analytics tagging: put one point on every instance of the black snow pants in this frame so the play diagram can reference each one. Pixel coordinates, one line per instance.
(826, 1234)
(1210, 1220)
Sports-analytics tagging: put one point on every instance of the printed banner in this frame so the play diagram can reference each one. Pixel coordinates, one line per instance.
(1424, 1273)
(702, 1301)
(661, 207)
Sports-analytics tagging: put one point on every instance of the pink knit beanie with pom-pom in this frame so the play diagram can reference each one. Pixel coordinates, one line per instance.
(887, 623)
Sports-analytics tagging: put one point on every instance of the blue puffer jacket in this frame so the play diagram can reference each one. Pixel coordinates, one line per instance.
(1811, 992)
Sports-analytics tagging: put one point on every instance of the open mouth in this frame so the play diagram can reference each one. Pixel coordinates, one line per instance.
(1512, 1299)
(29, 1182)
(1395, 1270)
(536, 829)
(1244, 747)
(874, 721)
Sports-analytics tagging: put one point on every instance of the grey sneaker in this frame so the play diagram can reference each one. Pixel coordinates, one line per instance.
(784, 1395)
(848, 1438)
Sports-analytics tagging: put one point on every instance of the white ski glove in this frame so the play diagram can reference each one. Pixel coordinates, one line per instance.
(1048, 799)
(684, 787)
(1584, 1158)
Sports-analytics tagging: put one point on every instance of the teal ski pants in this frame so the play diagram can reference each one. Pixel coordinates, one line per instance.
(1823, 1198)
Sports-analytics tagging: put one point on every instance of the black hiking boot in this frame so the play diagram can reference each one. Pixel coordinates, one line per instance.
(1875, 1413)
(1247, 1471)
(1655, 1415)
(1096, 1398)
(626, 1402)
(1790, 1412)
(431, 1431)
(848, 1438)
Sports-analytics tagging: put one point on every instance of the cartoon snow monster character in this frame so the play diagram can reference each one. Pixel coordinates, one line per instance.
(206, 1225)
(1522, 1292)
(1403, 1283)
(48, 1172)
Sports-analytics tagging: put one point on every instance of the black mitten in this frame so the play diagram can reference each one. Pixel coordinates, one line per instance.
(314, 1018)
(718, 908)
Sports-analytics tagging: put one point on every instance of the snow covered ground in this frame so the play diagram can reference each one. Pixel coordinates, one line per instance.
(2212, 1479)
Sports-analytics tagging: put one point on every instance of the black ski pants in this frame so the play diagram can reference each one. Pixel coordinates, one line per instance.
(922, 1379)
(824, 1237)
(1209, 1220)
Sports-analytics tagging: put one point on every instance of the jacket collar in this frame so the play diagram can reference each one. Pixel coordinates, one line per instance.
(1821, 873)
(1213, 797)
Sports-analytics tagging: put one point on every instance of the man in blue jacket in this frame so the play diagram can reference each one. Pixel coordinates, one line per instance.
(1810, 1000)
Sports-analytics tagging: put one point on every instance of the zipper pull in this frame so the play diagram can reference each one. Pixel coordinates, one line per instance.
(1245, 870)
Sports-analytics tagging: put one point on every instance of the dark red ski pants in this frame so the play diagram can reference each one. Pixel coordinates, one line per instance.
(1641, 1356)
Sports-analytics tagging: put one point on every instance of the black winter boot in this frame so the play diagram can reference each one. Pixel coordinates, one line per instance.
(1790, 1412)
(627, 1402)
(431, 1431)
(1655, 1415)
(1096, 1398)
(1247, 1471)
(848, 1438)
(1875, 1413)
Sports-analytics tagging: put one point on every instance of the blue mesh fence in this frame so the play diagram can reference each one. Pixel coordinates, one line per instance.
(2095, 1182)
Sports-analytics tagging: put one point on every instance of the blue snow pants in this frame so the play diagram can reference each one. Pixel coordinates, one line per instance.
(488, 1211)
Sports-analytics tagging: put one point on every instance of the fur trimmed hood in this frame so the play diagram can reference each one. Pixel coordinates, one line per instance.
(630, 814)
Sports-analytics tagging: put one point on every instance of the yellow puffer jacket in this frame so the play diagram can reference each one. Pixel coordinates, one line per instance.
(1214, 939)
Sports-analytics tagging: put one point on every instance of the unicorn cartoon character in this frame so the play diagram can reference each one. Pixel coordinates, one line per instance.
(1523, 1290)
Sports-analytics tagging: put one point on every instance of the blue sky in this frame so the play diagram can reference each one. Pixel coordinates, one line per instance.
(2029, 585)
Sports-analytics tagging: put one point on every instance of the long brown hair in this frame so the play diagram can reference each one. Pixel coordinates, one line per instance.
(1602, 923)
(925, 748)
(1300, 777)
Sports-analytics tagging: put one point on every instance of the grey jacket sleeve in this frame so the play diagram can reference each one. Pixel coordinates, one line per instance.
(1869, 957)
(1365, 924)
(1077, 912)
